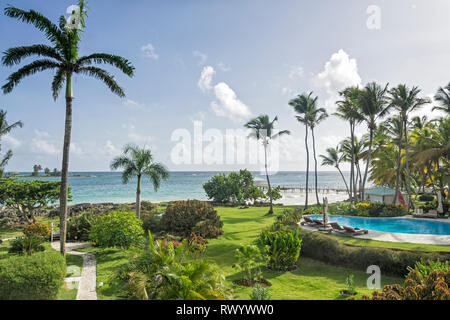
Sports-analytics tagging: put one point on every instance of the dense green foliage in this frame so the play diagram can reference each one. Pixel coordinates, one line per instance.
(38, 229)
(79, 226)
(235, 188)
(260, 293)
(26, 245)
(249, 260)
(121, 229)
(35, 277)
(282, 246)
(163, 272)
(324, 248)
(368, 209)
(184, 217)
(425, 267)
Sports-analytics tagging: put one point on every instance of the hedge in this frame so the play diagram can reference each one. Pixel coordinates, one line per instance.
(320, 247)
(35, 277)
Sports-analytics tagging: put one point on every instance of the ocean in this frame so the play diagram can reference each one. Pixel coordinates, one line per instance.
(98, 187)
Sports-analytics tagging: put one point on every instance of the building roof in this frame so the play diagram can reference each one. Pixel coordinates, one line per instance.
(381, 191)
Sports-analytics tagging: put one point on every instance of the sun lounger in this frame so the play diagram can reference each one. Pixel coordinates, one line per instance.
(355, 231)
(307, 221)
(336, 227)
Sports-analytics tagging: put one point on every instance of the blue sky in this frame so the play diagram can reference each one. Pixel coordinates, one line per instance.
(255, 54)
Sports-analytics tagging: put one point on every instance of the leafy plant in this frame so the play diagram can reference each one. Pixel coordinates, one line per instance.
(197, 244)
(121, 229)
(282, 246)
(184, 217)
(260, 293)
(425, 267)
(249, 260)
(26, 245)
(37, 229)
(79, 226)
(349, 281)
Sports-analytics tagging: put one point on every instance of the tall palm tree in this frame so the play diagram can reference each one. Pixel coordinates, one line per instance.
(138, 162)
(263, 129)
(317, 116)
(334, 158)
(443, 97)
(348, 110)
(62, 56)
(405, 100)
(6, 128)
(303, 105)
(358, 149)
(372, 105)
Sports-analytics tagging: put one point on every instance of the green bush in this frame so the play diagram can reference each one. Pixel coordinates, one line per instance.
(35, 277)
(290, 217)
(321, 247)
(379, 209)
(260, 293)
(151, 222)
(38, 229)
(117, 229)
(282, 246)
(79, 227)
(426, 197)
(425, 267)
(249, 259)
(26, 245)
(184, 217)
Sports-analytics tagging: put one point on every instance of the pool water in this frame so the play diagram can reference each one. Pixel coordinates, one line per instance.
(411, 226)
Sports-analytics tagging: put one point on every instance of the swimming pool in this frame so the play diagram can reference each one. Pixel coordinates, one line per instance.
(411, 226)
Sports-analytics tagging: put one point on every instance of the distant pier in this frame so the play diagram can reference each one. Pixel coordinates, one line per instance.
(301, 188)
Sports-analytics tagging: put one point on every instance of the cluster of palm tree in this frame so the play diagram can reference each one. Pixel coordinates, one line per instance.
(400, 152)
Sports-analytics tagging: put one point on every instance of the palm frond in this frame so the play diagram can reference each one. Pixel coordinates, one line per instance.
(123, 64)
(105, 77)
(58, 82)
(30, 69)
(15, 55)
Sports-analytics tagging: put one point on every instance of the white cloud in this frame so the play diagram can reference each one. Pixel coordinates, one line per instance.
(204, 83)
(149, 51)
(138, 138)
(110, 149)
(285, 91)
(135, 105)
(11, 141)
(41, 134)
(339, 73)
(227, 104)
(41, 146)
(296, 72)
(223, 67)
(201, 57)
(76, 149)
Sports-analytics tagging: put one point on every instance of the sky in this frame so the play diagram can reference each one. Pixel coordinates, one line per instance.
(217, 64)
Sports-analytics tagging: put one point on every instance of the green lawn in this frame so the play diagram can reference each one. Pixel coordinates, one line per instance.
(312, 280)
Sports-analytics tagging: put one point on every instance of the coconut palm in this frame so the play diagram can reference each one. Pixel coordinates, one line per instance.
(317, 116)
(62, 57)
(405, 100)
(372, 106)
(6, 128)
(348, 110)
(334, 158)
(443, 97)
(358, 149)
(303, 105)
(263, 129)
(138, 162)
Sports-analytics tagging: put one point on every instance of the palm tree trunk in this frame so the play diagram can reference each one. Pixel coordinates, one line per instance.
(315, 165)
(352, 167)
(307, 167)
(397, 180)
(267, 176)
(408, 183)
(138, 197)
(343, 178)
(367, 164)
(65, 167)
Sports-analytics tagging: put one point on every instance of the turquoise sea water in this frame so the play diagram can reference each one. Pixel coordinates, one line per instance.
(396, 225)
(100, 187)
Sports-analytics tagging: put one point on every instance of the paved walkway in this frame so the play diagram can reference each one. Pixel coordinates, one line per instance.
(88, 279)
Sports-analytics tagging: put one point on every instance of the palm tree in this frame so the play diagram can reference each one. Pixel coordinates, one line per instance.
(372, 106)
(138, 162)
(263, 130)
(348, 110)
(405, 101)
(317, 116)
(443, 96)
(358, 149)
(334, 158)
(61, 56)
(303, 105)
(6, 128)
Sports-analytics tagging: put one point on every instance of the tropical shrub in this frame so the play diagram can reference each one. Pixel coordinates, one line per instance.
(282, 246)
(249, 259)
(290, 217)
(313, 210)
(35, 277)
(121, 229)
(379, 209)
(235, 188)
(426, 197)
(185, 217)
(260, 293)
(151, 222)
(26, 245)
(434, 286)
(79, 226)
(425, 267)
(344, 208)
(37, 229)
(163, 272)
(196, 243)
(321, 247)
